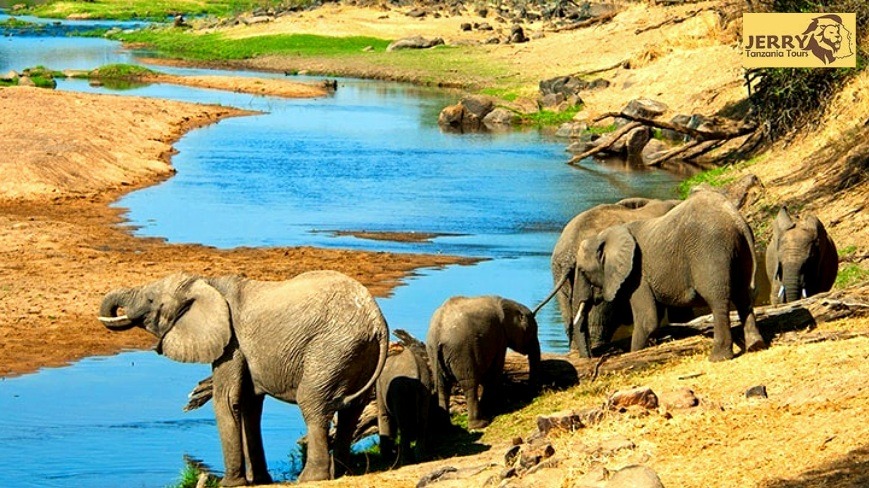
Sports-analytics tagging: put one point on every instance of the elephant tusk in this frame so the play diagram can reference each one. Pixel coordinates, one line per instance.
(578, 314)
(114, 320)
(804, 293)
(781, 291)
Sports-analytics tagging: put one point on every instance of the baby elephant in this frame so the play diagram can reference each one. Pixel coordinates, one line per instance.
(467, 341)
(404, 396)
(801, 258)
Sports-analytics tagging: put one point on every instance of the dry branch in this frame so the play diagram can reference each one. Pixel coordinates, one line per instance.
(673, 153)
(672, 20)
(722, 130)
(613, 137)
(587, 22)
(600, 70)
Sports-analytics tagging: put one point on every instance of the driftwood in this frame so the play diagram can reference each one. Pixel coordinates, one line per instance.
(722, 129)
(600, 70)
(613, 137)
(587, 22)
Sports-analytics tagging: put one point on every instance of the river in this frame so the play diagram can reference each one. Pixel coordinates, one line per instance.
(371, 157)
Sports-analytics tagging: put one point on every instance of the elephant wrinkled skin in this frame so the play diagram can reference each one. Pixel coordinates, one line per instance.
(467, 343)
(702, 251)
(404, 392)
(603, 317)
(318, 340)
(801, 258)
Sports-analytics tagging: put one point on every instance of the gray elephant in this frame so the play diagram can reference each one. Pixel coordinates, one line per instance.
(318, 340)
(603, 317)
(801, 258)
(702, 251)
(405, 392)
(467, 343)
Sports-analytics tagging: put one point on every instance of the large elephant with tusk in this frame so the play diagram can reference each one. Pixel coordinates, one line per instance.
(318, 340)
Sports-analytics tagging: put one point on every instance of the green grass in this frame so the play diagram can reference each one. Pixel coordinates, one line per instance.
(851, 274)
(190, 476)
(606, 129)
(545, 118)
(714, 177)
(847, 251)
(506, 94)
(120, 71)
(150, 9)
(216, 47)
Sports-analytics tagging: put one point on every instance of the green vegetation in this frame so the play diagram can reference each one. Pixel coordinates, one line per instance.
(15, 23)
(606, 129)
(151, 9)
(506, 94)
(217, 47)
(120, 71)
(190, 476)
(544, 118)
(788, 99)
(847, 251)
(850, 274)
(714, 177)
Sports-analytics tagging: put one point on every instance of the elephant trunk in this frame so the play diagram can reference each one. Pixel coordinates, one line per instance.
(793, 283)
(109, 310)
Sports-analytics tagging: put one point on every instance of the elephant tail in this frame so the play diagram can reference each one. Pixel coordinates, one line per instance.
(383, 335)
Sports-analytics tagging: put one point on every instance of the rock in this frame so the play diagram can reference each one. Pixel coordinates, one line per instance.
(615, 444)
(451, 116)
(644, 107)
(679, 399)
(671, 135)
(758, 391)
(485, 27)
(642, 396)
(508, 473)
(444, 473)
(483, 12)
(635, 141)
(635, 476)
(571, 130)
(180, 22)
(653, 150)
(565, 420)
(24, 80)
(493, 40)
(415, 42)
(517, 35)
(596, 475)
(259, 19)
(551, 100)
(417, 13)
(477, 107)
(465, 26)
(500, 117)
(512, 455)
(532, 455)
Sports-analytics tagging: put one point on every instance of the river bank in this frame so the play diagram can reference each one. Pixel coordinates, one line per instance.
(62, 246)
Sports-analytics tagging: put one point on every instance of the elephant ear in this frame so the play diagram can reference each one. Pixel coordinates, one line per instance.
(813, 224)
(782, 223)
(201, 328)
(617, 258)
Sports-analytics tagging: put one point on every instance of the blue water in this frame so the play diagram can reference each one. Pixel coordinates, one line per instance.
(371, 157)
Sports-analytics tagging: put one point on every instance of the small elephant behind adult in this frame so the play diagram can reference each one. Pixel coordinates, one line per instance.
(700, 252)
(801, 258)
(467, 343)
(603, 317)
(405, 394)
(318, 340)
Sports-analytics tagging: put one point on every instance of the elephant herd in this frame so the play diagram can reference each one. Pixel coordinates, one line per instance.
(320, 340)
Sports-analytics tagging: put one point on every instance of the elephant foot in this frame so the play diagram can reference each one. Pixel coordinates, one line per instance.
(755, 344)
(477, 424)
(233, 481)
(721, 354)
(309, 474)
(263, 479)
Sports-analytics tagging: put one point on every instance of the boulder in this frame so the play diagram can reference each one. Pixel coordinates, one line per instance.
(415, 42)
(635, 476)
(642, 396)
(758, 391)
(451, 116)
(653, 150)
(417, 13)
(679, 399)
(565, 420)
(635, 141)
(551, 100)
(25, 80)
(517, 35)
(671, 135)
(499, 118)
(477, 107)
(571, 130)
(644, 107)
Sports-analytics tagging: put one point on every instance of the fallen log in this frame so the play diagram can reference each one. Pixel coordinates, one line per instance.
(722, 130)
(613, 137)
(587, 22)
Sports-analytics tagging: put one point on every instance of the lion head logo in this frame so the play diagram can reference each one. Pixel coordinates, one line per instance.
(829, 39)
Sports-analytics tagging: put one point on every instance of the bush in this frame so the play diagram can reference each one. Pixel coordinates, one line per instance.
(787, 99)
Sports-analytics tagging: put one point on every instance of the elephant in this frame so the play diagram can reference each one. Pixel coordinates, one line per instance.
(467, 343)
(801, 258)
(318, 340)
(603, 317)
(701, 251)
(404, 395)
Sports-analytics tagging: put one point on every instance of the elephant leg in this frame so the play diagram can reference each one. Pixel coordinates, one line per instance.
(386, 431)
(753, 340)
(347, 420)
(443, 388)
(229, 374)
(646, 317)
(722, 340)
(317, 418)
(475, 421)
(257, 468)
